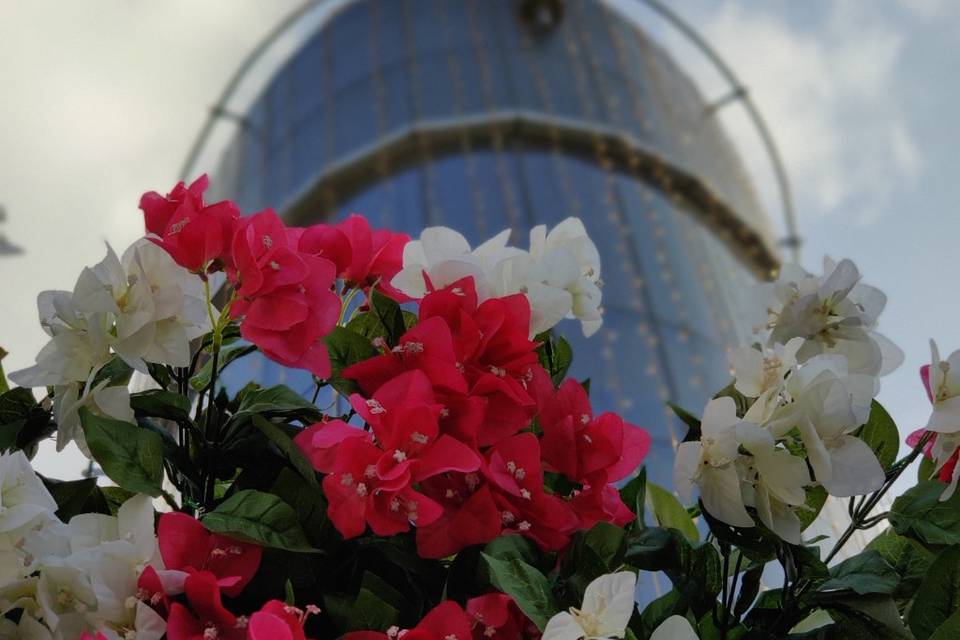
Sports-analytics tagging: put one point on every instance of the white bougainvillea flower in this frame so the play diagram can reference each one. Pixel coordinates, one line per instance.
(944, 389)
(710, 465)
(101, 400)
(834, 313)
(560, 275)
(674, 628)
(827, 405)
(23, 498)
(761, 374)
(608, 603)
(774, 481)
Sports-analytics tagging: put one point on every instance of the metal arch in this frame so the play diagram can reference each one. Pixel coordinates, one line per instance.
(739, 92)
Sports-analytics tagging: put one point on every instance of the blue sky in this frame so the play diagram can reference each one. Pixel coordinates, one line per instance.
(860, 94)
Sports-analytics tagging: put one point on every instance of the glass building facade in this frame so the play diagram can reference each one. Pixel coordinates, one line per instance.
(461, 113)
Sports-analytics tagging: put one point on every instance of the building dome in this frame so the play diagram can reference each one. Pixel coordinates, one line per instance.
(483, 115)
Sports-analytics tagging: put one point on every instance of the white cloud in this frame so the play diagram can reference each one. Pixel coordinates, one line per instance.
(829, 95)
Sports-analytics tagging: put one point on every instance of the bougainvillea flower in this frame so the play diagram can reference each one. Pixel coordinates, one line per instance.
(206, 616)
(358, 497)
(325, 241)
(285, 300)
(277, 620)
(319, 442)
(446, 621)
(578, 445)
(90, 636)
(150, 589)
(497, 617)
(196, 235)
(600, 501)
(470, 515)
(186, 545)
(427, 346)
(377, 255)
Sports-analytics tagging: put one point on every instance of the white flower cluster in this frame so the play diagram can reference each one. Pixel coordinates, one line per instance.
(74, 577)
(560, 274)
(144, 308)
(809, 379)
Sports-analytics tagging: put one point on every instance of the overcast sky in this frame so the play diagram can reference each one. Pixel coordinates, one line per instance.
(102, 98)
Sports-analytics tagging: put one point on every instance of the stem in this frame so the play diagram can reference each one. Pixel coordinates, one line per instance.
(859, 517)
(346, 304)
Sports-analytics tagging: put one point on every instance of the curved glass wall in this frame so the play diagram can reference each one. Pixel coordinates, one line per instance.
(454, 112)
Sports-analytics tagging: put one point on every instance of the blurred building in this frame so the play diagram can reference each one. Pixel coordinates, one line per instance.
(482, 115)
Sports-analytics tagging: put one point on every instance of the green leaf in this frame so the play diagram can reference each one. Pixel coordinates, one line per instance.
(634, 495)
(116, 373)
(749, 588)
(669, 513)
(275, 401)
(920, 514)
(528, 587)
(692, 422)
(555, 356)
(908, 557)
(816, 498)
(310, 505)
(4, 387)
(870, 617)
(158, 403)
(290, 451)
(115, 497)
(346, 348)
(259, 517)
(517, 547)
(881, 434)
(201, 379)
(75, 496)
(389, 314)
(16, 404)
(866, 572)
(130, 455)
(938, 597)
(949, 630)
(672, 603)
(927, 469)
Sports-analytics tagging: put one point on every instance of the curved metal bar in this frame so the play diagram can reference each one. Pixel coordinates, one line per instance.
(739, 92)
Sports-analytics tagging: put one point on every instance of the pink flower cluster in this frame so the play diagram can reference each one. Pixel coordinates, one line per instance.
(283, 276)
(451, 449)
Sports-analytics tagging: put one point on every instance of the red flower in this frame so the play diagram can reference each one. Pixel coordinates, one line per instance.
(507, 498)
(945, 473)
(358, 497)
(277, 620)
(284, 296)
(578, 445)
(497, 617)
(427, 347)
(206, 616)
(150, 589)
(196, 235)
(447, 621)
(186, 545)
(600, 501)
(89, 636)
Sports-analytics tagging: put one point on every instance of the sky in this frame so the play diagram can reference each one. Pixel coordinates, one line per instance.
(103, 98)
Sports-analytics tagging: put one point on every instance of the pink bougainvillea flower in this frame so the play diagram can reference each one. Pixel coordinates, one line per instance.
(196, 235)
(497, 617)
(599, 501)
(427, 347)
(89, 636)
(285, 298)
(206, 617)
(186, 545)
(319, 442)
(578, 445)
(446, 621)
(277, 620)
(358, 497)
(377, 255)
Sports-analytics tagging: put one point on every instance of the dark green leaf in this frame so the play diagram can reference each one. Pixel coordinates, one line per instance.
(259, 517)
(528, 587)
(346, 348)
(634, 495)
(76, 496)
(908, 557)
(157, 403)
(115, 497)
(692, 422)
(10, 433)
(669, 513)
(938, 596)
(866, 572)
(275, 401)
(871, 617)
(920, 514)
(926, 470)
(130, 455)
(672, 603)
(116, 373)
(4, 387)
(290, 451)
(880, 433)
(310, 506)
(949, 630)
(16, 404)
(555, 356)
(391, 317)
(816, 498)
(749, 588)
(201, 379)
(741, 401)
